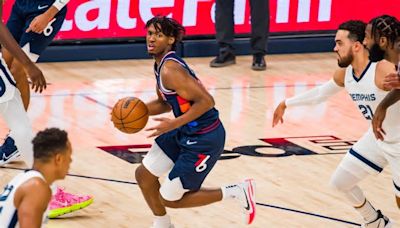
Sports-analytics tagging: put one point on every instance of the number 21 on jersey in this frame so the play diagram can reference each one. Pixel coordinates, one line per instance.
(366, 111)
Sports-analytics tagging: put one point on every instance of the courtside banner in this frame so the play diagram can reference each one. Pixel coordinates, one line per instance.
(105, 19)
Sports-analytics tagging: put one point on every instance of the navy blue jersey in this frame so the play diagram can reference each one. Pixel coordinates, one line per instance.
(206, 122)
(34, 6)
(22, 14)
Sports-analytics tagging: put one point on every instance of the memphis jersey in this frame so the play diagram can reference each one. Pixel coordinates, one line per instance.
(364, 92)
(180, 105)
(7, 83)
(8, 212)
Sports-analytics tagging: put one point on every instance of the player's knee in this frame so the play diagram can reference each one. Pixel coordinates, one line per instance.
(171, 192)
(143, 177)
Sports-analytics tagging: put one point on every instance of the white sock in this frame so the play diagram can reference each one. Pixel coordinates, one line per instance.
(162, 221)
(367, 211)
(230, 191)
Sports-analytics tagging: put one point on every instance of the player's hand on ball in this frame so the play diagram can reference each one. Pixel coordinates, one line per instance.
(164, 126)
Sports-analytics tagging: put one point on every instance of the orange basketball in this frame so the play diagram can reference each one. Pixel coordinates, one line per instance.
(130, 115)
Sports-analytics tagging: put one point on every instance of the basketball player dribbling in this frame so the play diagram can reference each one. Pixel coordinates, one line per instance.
(188, 146)
(364, 81)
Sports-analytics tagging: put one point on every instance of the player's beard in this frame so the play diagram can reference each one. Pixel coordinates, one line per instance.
(376, 53)
(345, 61)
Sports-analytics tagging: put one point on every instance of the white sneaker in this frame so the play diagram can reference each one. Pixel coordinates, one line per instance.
(380, 222)
(248, 199)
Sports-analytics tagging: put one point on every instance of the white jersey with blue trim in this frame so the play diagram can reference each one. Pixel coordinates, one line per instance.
(7, 82)
(364, 92)
(8, 212)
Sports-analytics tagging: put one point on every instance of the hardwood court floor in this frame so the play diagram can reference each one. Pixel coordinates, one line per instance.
(292, 191)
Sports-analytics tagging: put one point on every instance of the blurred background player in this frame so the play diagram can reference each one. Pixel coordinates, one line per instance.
(34, 24)
(187, 146)
(364, 81)
(11, 107)
(26, 197)
(224, 27)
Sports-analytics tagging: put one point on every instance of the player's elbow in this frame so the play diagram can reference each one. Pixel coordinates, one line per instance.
(167, 107)
(209, 101)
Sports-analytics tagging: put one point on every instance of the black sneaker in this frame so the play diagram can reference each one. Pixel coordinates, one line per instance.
(259, 62)
(8, 151)
(224, 58)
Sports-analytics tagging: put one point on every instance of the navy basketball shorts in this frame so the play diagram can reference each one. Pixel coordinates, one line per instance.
(193, 156)
(22, 14)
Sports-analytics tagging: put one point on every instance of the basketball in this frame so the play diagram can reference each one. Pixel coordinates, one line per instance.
(130, 115)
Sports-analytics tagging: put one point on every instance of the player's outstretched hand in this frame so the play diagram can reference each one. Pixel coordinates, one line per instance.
(37, 78)
(165, 126)
(278, 113)
(392, 81)
(377, 121)
(38, 24)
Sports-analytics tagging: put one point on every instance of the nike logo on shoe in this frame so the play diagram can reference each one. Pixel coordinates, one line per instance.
(247, 202)
(42, 7)
(6, 159)
(188, 142)
(250, 208)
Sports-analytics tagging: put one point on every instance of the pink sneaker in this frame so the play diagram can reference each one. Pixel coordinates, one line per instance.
(63, 203)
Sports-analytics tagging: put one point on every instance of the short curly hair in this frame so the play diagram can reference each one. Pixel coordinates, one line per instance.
(168, 26)
(49, 142)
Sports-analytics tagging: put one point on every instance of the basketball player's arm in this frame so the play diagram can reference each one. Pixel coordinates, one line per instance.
(384, 71)
(31, 201)
(176, 78)
(158, 106)
(313, 96)
(6, 39)
(40, 22)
